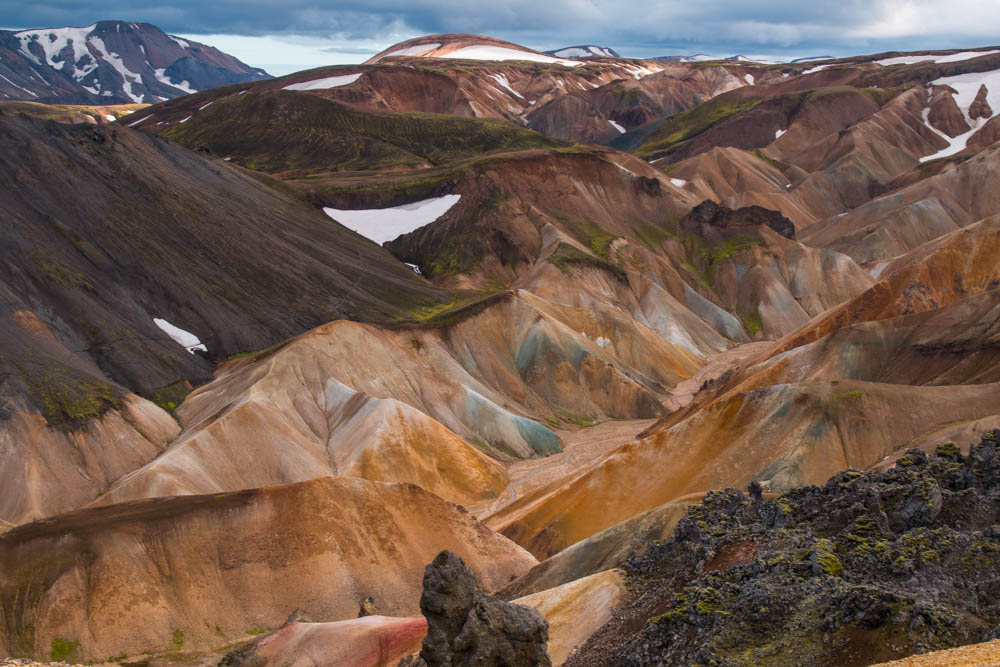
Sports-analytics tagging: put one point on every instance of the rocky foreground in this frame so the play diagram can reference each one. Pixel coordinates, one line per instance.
(870, 567)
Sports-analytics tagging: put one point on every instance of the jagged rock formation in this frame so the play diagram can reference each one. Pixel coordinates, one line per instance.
(466, 627)
(868, 567)
(715, 223)
(111, 62)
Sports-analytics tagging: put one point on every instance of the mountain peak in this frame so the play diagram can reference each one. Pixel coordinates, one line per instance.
(111, 62)
(465, 46)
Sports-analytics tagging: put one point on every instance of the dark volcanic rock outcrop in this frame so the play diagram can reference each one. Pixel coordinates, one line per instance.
(467, 627)
(870, 567)
(714, 222)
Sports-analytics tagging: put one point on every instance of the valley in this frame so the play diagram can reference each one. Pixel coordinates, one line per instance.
(698, 359)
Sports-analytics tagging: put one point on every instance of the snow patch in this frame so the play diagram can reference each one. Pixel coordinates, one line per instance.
(815, 69)
(778, 133)
(625, 169)
(205, 105)
(749, 79)
(504, 83)
(489, 52)
(324, 84)
(385, 224)
(17, 86)
(128, 76)
(967, 87)
(162, 78)
(108, 117)
(416, 269)
(617, 126)
(54, 41)
(186, 119)
(934, 58)
(602, 342)
(184, 338)
(679, 182)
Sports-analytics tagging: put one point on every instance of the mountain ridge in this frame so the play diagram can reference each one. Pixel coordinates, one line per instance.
(111, 62)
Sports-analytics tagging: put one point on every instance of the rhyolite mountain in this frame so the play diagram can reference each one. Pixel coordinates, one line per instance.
(775, 273)
(111, 62)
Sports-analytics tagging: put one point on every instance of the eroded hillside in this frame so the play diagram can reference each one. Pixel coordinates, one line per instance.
(297, 336)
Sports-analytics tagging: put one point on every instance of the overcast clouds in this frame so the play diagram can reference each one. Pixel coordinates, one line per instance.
(301, 33)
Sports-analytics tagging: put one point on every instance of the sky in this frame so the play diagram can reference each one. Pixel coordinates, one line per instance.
(291, 35)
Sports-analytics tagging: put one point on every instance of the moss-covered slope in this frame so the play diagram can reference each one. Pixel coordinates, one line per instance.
(281, 131)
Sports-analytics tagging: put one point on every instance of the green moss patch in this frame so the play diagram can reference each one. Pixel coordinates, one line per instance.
(567, 255)
(690, 123)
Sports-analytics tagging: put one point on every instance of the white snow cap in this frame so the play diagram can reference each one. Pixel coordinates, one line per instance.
(490, 52)
(385, 224)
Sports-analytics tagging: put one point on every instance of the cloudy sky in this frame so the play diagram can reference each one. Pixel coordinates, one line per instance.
(295, 34)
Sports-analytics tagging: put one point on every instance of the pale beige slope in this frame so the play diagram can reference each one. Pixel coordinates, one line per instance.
(190, 565)
(976, 655)
(602, 551)
(417, 405)
(293, 424)
(576, 610)
(796, 419)
(783, 435)
(46, 470)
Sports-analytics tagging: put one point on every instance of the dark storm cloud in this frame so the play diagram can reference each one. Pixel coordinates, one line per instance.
(651, 26)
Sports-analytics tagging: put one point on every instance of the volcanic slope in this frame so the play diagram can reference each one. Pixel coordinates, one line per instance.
(108, 230)
(471, 75)
(111, 62)
(589, 206)
(598, 288)
(813, 409)
(185, 565)
(865, 568)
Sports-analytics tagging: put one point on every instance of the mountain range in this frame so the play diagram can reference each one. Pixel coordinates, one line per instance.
(699, 360)
(111, 62)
